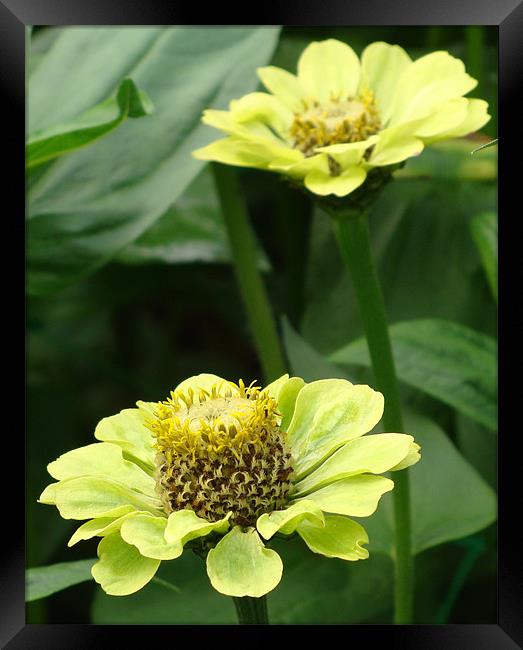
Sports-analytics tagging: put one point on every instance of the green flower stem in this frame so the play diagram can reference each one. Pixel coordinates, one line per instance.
(251, 610)
(352, 233)
(253, 291)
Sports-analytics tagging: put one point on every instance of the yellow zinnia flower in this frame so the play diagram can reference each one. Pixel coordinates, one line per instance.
(339, 118)
(217, 467)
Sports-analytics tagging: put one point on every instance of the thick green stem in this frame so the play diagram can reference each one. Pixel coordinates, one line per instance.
(352, 234)
(244, 252)
(251, 611)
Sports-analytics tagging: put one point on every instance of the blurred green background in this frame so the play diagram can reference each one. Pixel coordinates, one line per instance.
(131, 290)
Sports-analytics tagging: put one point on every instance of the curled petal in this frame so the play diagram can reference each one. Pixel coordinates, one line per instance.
(240, 565)
(338, 537)
(286, 521)
(121, 569)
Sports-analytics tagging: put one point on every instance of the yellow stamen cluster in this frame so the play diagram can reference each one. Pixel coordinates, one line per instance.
(221, 451)
(338, 121)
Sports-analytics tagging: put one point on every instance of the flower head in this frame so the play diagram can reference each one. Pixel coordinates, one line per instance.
(222, 468)
(341, 118)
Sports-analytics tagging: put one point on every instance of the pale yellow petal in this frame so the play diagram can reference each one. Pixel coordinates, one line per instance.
(329, 70)
(323, 184)
(121, 570)
(127, 430)
(394, 145)
(356, 496)
(412, 457)
(101, 526)
(248, 153)
(338, 537)
(381, 67)
(373, 454)
(102, 459)
(444, 119)
(146, 532)
(476, 117)
(264, 108)
(329, 413)
(285, 86)
(428, 83)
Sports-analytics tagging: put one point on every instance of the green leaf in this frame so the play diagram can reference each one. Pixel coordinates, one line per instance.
(46, 580)
(448, 361)
(484, 228)
(90, 205)
(60, 139)
(192, 230)
(449, 498)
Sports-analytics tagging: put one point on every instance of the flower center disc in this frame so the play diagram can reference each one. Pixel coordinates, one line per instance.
(335, 122)
(221, 451)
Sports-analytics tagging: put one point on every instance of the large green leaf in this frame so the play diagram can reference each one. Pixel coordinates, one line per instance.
(449, 498)
(56, 140)
(87, 207)
(448, 361)
(192, 230)
(484, 228)
(46, 580)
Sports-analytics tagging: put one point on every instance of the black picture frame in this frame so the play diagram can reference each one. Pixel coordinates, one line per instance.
(507, 15)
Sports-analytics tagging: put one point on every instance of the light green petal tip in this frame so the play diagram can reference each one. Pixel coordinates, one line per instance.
(48, 496)
(101, 526)
(286, 521)
(476, 117)
(275, 387)
(338, 537)
(185, 525)
(285, 391)
(206, 381)
(240, 565)
(329, 413)
(357, 496)
(147, 534)
(127, 430)
(412, 457)
(121, 570)
(89, 497)
(101, 459)
(149, 408)
(373, 454)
